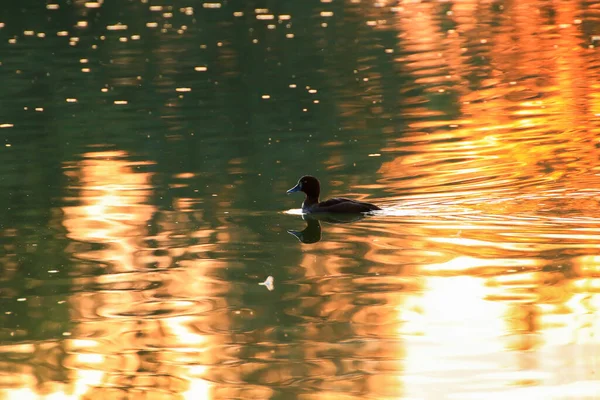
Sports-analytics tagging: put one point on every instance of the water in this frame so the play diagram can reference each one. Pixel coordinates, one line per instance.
(145, 153)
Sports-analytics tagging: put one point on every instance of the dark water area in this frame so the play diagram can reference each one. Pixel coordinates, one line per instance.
(148, 248)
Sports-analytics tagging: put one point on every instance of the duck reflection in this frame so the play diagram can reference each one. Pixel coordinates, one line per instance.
(312, 232)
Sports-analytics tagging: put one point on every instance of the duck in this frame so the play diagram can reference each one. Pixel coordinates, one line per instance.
(312, 188)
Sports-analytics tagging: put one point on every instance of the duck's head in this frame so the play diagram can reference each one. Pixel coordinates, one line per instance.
(307, 184)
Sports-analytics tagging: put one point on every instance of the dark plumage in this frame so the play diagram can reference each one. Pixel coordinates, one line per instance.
(311, 187)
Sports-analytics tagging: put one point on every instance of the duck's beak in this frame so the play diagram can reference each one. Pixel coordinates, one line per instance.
(296, 188)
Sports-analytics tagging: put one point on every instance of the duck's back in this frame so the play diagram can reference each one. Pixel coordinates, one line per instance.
(344, 205)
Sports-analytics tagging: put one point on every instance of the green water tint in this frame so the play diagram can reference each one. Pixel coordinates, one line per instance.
(145, 154)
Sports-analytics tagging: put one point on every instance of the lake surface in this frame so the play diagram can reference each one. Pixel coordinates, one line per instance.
(146, 148)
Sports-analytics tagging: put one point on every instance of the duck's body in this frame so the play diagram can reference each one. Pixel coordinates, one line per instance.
(337, 205)
(311, 187)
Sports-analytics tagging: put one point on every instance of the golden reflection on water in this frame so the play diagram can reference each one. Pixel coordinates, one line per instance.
(113, 211)
(508, 305)
(479, 280)
(533, 100)
(130, 334)
(465, 342)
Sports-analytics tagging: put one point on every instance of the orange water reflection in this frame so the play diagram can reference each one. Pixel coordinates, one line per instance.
(503, 312)
(131, 325)
(479, 280)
